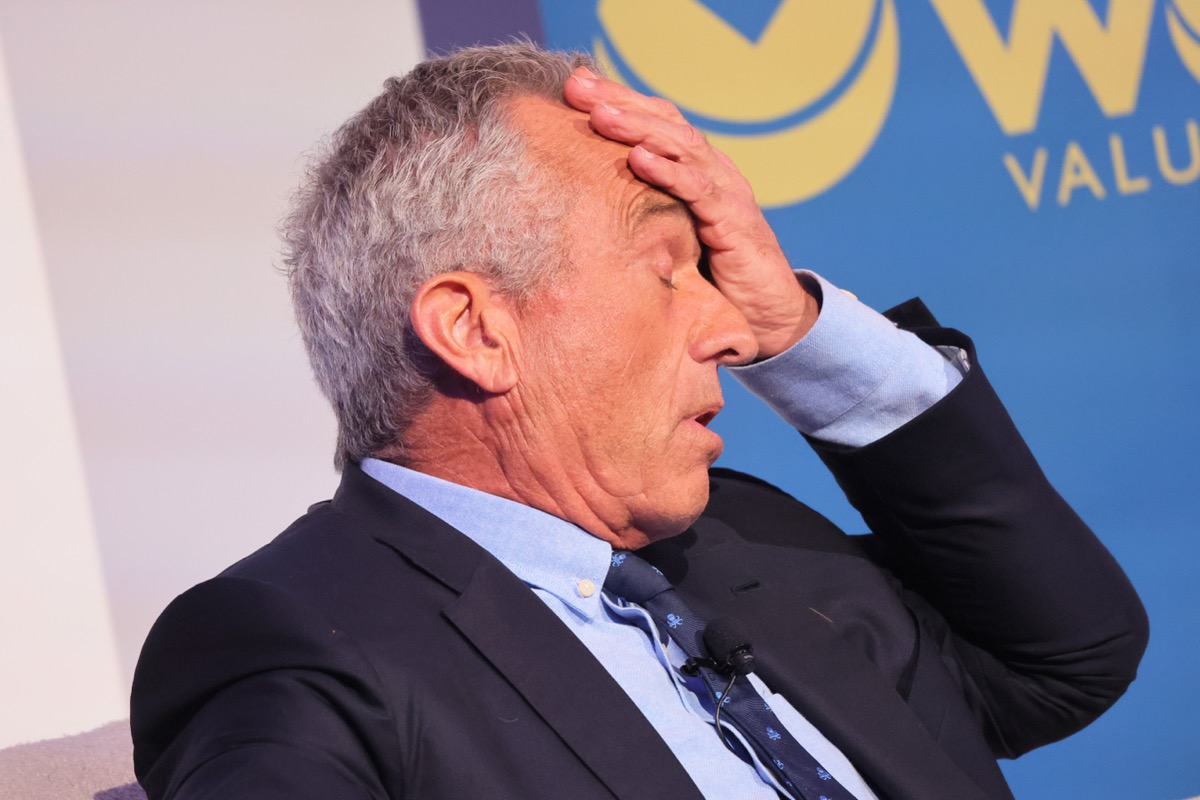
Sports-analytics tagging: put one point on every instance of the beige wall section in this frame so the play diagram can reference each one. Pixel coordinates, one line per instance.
(59, 670)
(161, 141)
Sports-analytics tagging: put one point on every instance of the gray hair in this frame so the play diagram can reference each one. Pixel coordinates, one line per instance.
(430, 177)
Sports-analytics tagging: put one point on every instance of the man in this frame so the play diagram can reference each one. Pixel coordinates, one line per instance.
(516, 281)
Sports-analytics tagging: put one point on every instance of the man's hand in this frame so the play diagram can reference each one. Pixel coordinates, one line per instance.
(747, 264)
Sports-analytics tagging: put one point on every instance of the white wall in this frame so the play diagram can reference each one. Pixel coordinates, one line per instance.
(159, 421)
(60, 665)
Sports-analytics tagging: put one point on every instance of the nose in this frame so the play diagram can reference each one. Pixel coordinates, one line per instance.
(721, 333)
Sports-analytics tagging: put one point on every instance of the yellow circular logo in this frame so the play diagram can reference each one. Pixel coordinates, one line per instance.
(1183, 20)
(796, 102)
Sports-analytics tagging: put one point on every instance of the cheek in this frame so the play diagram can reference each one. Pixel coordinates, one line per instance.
(630, 439)
(647, 394)
(631, 383)
(618, 377)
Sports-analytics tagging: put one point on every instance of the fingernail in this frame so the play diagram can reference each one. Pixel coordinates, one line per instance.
(587, 73)
(584, 81)
(611, 109)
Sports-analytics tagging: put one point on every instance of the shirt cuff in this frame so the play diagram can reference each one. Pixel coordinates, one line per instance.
(855, 377)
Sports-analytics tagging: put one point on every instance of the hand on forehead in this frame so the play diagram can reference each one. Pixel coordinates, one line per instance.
(745, 259)
(655, 129)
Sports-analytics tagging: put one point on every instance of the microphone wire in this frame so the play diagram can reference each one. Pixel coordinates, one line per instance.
(720, 701)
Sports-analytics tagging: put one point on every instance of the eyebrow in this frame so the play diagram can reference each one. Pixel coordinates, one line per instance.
(655, 204)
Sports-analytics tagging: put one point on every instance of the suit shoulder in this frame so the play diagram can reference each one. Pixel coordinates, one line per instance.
(324, 557)
(235, 665)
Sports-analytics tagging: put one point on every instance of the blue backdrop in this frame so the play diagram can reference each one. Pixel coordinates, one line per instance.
(1031, 168)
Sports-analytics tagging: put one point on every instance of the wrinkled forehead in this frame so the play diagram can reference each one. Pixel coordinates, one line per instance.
(588, 165)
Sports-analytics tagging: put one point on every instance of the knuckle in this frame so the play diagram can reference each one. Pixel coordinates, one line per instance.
(692, 138)
(664, 108)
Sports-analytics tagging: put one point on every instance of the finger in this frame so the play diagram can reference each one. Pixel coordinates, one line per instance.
(714, 207)
(680, 180)
(585, 90)
(678, 142)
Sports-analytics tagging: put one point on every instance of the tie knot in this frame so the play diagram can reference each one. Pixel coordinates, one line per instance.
(634, 579)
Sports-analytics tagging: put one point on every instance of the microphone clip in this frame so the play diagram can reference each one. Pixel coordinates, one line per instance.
(738, 662)
(692, 666)
(724, 639)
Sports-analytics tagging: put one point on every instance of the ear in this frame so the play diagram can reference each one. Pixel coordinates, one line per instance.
(470, 327)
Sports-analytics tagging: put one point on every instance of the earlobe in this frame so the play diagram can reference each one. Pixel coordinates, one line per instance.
(470, 327)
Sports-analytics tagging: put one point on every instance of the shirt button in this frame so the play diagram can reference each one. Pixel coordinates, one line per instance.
(586, 588)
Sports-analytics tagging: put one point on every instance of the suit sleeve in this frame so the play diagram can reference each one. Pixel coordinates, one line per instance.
(243, 691)
(1027, 606)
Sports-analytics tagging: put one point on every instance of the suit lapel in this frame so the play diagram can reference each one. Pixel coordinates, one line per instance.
(568, 688)
(527, 644)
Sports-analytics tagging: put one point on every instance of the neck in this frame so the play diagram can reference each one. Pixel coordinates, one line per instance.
(468, 442)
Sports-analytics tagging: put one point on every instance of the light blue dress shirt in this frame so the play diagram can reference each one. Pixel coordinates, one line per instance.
(853, 379)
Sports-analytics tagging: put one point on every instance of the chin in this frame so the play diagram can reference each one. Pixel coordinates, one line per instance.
(677, 516)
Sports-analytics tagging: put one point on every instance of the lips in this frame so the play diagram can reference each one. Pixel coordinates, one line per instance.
(707, 413)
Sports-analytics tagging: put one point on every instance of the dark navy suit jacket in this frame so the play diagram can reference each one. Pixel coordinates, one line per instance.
(372, 651)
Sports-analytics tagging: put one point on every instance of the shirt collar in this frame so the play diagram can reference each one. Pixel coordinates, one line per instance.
(545, 552)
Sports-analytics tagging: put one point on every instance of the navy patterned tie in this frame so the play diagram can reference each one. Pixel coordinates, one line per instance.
(635, 580)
